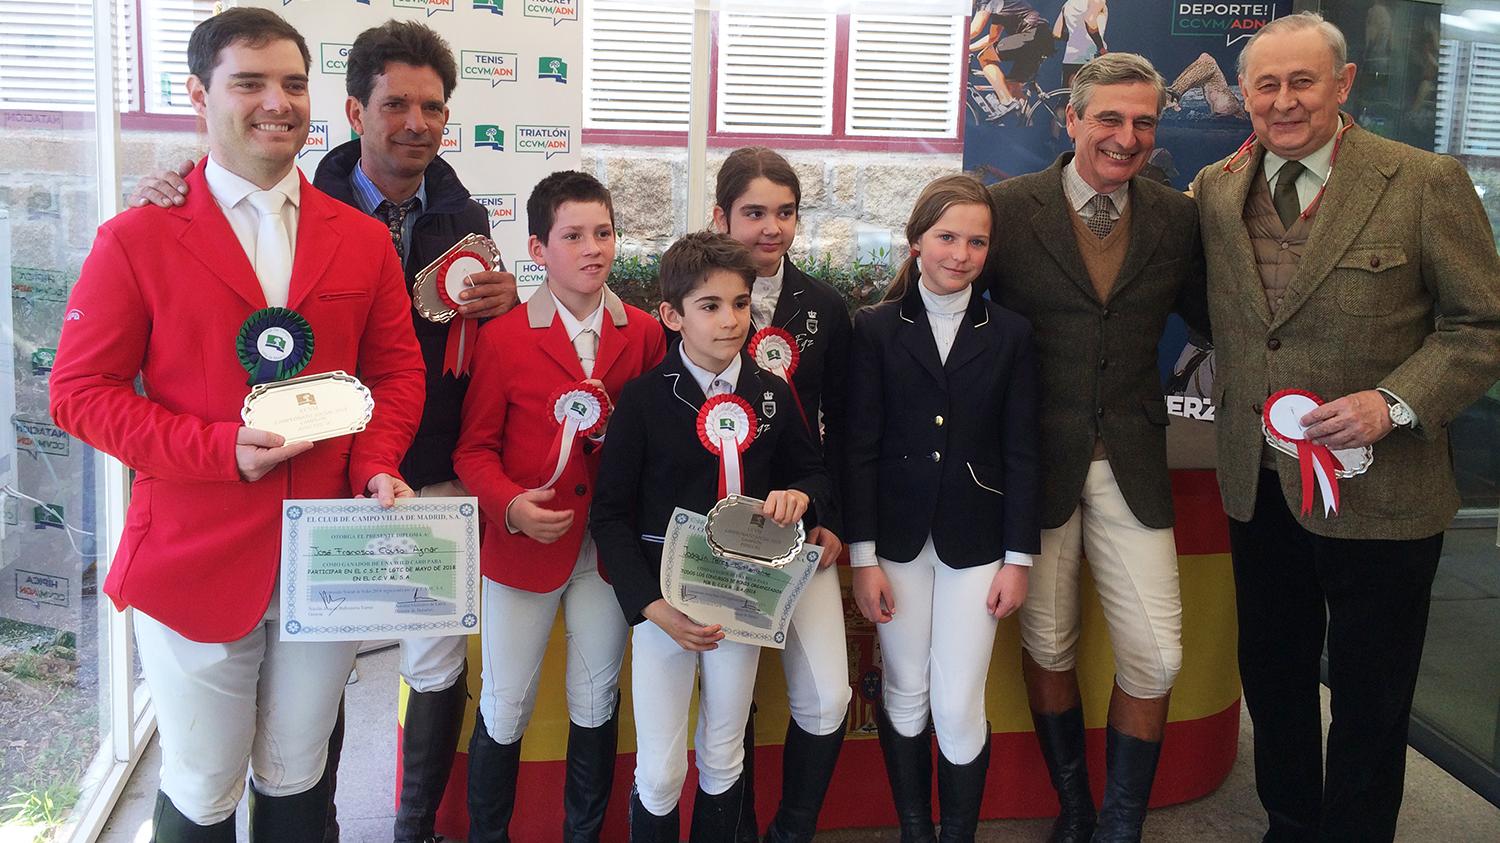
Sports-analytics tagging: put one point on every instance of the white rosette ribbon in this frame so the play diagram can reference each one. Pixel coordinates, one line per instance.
(726, 427)
(1282, 422)
(580, 410)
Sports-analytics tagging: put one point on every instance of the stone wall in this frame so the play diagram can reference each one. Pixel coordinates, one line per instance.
(47, 184)
(847, 197)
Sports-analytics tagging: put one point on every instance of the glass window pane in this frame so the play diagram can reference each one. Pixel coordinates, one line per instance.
(54, 681)
(1429, 75)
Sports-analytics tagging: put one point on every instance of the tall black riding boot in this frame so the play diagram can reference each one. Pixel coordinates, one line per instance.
(960, 790)
(715, 817)
(335, 752)
(590, 777)
(646, 827)
(429, 740)
(748, 830)
(493, 768)
(1061, 737)
(299, 818)
(908, 764)
(168, 825)
(807, 764)
(1130, 768)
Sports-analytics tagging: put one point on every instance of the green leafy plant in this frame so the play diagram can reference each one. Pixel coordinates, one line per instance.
(860, 283)
(42, 806)
(634, 278)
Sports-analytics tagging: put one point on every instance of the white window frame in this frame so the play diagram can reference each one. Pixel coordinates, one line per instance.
(630, 86)
(880, 101)
(775, 73)
(641, 78)
(49, 59)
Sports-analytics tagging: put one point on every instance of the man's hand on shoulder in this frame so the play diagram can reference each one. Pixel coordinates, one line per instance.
(1354, 421)
(164, 189)
(490, 294)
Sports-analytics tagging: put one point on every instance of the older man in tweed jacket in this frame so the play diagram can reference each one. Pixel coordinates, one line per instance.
(1364, 271)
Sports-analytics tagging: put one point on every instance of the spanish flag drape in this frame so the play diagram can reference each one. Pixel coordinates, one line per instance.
(1197, 753)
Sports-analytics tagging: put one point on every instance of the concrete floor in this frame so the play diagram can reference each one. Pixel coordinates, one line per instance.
(1437, 808)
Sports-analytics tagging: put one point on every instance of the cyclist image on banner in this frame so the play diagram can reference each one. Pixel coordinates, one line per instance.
(1007, 31)
(1023, 55)
(1080, 26)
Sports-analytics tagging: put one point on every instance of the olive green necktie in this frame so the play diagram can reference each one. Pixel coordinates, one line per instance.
(1284, 197)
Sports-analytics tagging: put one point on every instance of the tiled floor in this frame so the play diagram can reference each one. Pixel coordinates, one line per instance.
(1437, 808)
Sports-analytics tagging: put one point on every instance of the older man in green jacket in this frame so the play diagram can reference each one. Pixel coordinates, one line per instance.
(1363, 271)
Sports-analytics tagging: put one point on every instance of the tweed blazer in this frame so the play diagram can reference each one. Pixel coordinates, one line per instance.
(1398, 287)
(1098, 359)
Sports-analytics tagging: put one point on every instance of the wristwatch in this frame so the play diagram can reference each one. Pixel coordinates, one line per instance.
(1401, 415)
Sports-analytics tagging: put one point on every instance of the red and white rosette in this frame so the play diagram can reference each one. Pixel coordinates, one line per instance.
(726, 427)
(451, 278)
(776, 351)
(1282, 418)
(581, 409)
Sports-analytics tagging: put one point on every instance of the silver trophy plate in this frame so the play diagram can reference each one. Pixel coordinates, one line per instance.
(737, 529)
(310, 408)
(476, 253)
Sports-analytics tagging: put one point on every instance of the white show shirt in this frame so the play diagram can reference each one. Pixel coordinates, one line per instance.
(763, 296)
(574, 326)
(232, 192)
(710, 383)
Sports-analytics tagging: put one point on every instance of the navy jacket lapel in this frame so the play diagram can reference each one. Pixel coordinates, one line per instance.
(972, 338)
(680, 381)
(916, 334)
(789, 303)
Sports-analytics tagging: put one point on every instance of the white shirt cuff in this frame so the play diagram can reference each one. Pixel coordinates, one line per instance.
(509, 526)
(862, 555)
(1416, 422)
(1015, 557)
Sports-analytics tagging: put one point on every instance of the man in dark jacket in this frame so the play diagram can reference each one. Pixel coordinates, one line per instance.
(400, 76)
(1098, 258)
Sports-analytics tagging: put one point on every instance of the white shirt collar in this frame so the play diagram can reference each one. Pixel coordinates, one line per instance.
(705, 378)
(945, 304)
(229, 189)
(575, 326)
(764, 294)
(1318, 162)
(1080, 192)
(776, 276)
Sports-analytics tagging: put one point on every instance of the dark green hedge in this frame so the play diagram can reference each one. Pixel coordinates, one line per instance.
(633, 279)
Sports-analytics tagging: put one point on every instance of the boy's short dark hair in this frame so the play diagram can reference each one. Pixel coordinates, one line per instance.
(254, 27)
(688, 262)
(407, 42)
(563, 186)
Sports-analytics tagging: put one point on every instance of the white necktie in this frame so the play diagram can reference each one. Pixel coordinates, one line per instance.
(587, 346)
(273, 249)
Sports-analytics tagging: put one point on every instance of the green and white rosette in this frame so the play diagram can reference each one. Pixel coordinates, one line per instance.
(274, 343)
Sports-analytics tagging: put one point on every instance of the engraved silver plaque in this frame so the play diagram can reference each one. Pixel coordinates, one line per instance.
(737, 529)
(310, 408)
